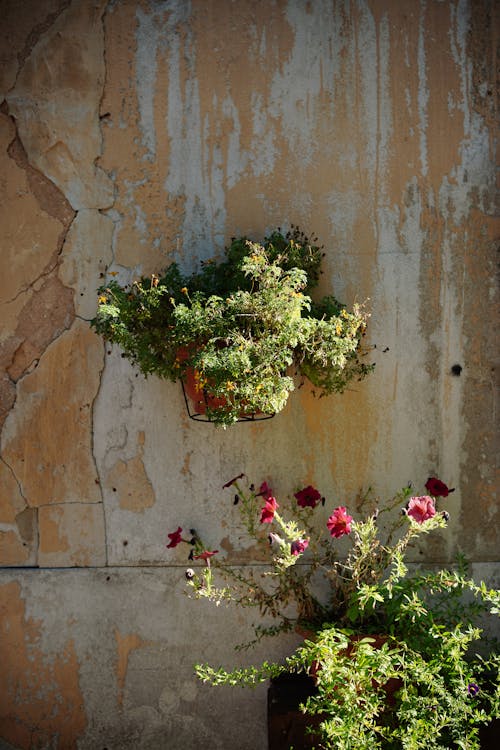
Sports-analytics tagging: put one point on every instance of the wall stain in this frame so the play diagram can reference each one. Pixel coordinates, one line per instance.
(125, 643)
(41, 703)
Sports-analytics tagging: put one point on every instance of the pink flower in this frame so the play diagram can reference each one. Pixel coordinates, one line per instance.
(339, 522)
(175, 538)
(309, 497)
(421, 508)
(265, 491)
(206, 555)
(437, 488)
(299, 546)
(269, 510)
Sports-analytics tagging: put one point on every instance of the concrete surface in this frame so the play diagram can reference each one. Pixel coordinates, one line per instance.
(135, 132)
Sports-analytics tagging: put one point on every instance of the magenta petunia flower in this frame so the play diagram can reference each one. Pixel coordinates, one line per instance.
(299, 546)
(206, 555)
(309, 497)
(421, 508)
(265, 491)
(339, 522)
(269, 510)
(175, 538)
(437, 488)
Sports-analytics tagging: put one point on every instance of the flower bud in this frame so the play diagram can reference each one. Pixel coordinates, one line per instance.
(274, 539)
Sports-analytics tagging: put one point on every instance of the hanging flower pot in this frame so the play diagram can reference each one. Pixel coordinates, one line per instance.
(200, 402)
(255, 321)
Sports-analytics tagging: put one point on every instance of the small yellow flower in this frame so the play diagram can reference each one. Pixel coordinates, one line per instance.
(102, 299)
(230, 385)
(200, 381)
(338, 329)
(184, 290)
(113, 273)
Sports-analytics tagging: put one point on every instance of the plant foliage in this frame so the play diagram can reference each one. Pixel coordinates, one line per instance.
(241, 325)
(398, 657)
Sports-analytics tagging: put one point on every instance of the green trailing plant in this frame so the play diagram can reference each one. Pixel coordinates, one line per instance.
(240, 327)
(398, 656)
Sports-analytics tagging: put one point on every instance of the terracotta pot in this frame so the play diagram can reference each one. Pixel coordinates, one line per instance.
(201, 398)
(198, 395)
(286, 724)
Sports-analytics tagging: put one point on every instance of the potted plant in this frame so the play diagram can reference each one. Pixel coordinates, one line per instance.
(397, 657)
(233, 332)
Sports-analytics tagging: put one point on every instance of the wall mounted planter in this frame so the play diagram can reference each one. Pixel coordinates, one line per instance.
(199, 402)
(241, 325)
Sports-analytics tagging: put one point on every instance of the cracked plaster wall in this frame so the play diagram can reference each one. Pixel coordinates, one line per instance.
(136, 132)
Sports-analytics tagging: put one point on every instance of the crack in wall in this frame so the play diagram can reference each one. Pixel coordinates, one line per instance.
(94, 458)
(50, 198)
(35, 35)
(13, 474)
(30, 343)
(24, 526)
(59, 306)
(106, 211)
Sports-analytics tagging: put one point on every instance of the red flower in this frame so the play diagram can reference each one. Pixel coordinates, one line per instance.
(232, 481)
(175, 538)
(339, 522)
(437, 488)
(309, 497)
(269, 510)
(206, 555)
(298, 546)
(421, 508)
(265, 491)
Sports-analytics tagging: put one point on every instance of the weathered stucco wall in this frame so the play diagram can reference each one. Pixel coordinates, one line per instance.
(135, 132)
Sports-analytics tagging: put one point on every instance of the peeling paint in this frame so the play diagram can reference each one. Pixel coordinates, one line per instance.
(137, 132)
(125, 643)
(55, 103)
(130, 481)
(41, 702)
(54, 401)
